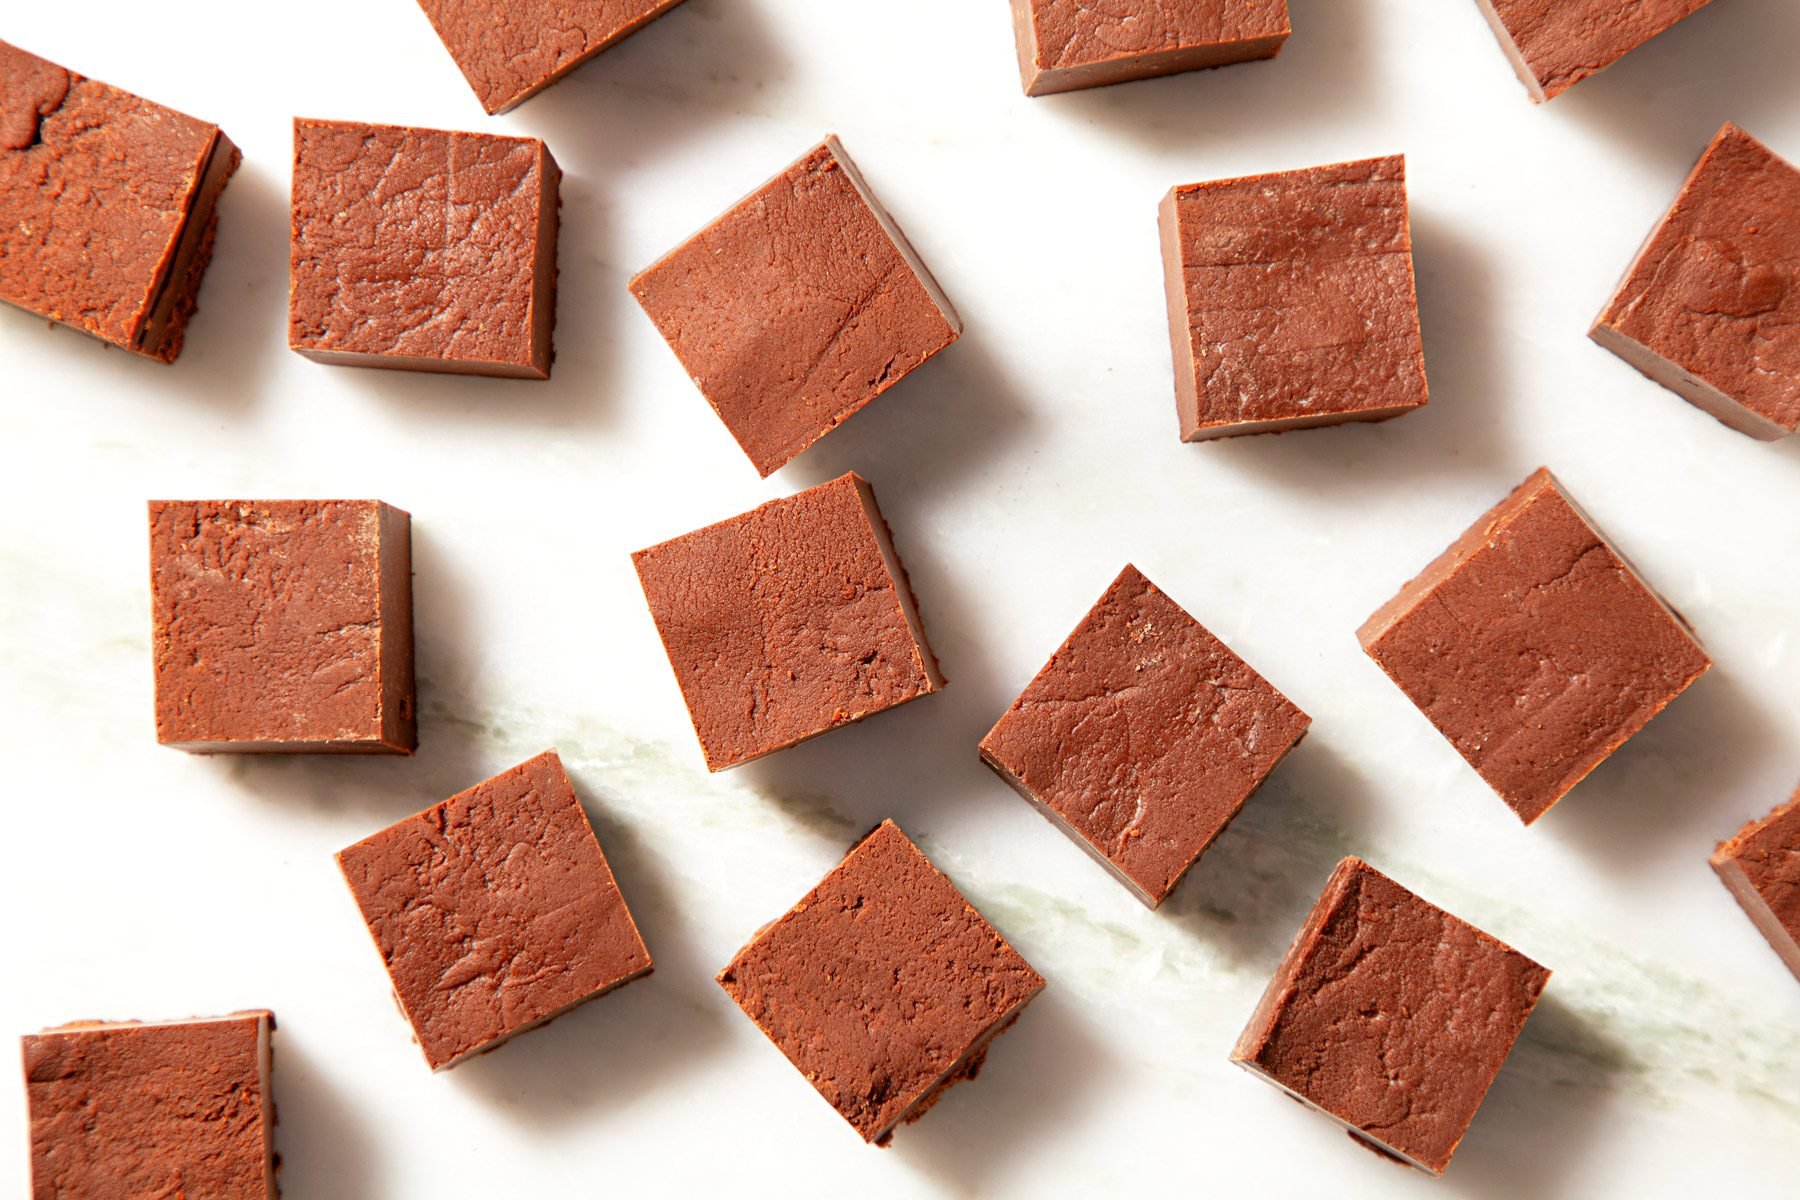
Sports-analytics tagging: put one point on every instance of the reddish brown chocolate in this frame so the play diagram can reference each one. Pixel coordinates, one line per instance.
(882, 986)
(282, 625)
(422, 250)
(1070, 44)
(108, 205)
(1761, 866)
(1534, 646)
(1143, 736)
(1390, 1016)
(787, 621)
(178, 1109)
(494, 911)
(1555, 44)
(1711, 307)
(797, 307)
(510, 50)
(1291, 300)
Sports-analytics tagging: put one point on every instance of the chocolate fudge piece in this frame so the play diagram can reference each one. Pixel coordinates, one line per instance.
(1534, 646)
(1711, 307)
(423, 250)
(494, 911)
(1143, 736)
(1291, 300)
(1070, 44)
(1390, 1016)
(175, 1109)
(1555, 44)
(882, 986)
(1761, 866)
(797, 307)
(787, 621)
(510, 50)
(108, 205)
(282, 626)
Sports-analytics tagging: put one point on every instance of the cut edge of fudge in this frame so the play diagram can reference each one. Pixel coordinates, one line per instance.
(1126, 68)
(1749, 897)
(1542, 90)
(164, 330)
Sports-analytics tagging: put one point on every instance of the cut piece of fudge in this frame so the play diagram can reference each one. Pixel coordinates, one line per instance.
(1761, 866)
(1555, 44)
(1070, 44)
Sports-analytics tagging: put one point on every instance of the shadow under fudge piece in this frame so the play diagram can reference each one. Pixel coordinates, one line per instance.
(1065, 45)
(1555, 44)
(1761, 866)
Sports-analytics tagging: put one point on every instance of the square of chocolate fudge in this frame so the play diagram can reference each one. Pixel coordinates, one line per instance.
(108, 205)
(1711, 307)
(882, 985)
(1555, 44)
(177, 1108)
(510, 50)
(1143, 736)
(494, 911)
(1761, 866)
(1534, 646)
(1291, 300)
(1390, 1016)
(282, 626)
(423, 250)
(797, 307)
(1070, 44)
(787, 621)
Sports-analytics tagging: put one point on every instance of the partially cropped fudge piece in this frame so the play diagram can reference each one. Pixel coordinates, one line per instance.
(108, 205)
(1534, 646)
(494, 911)
(882, 986)
(787, 621)
(797, 307)
(179, 1108)
(1390, 1016)
(423, 250)
(1143, 736)
(1711, 307)
(282, 625)
(1761, 866)
(1070, 44)
(1555, 44)
(510, 50)
(1291, 300)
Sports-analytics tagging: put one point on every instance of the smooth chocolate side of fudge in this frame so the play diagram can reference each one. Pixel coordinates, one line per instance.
(1555, 44)
(495, 911)
(108, 205)
(282, 626)
(797, 307)
(787, 621)
(1761, 866)
(1710, 308)
(1534, 646)
(1069, 44)
(510, 50)
(1143, 736)
(1291, 300)
(179, 1108)
(1390, 1016)
(423, 250)
(882, 986)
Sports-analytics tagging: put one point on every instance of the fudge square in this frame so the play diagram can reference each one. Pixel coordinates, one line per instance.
(1761, 866)
(1070, 44)
(1143, 736)
(1711, 307)
(882, 986)
(787, 621)
(797, 307)
(282, 625)
(423, 250)
(1534, 646)
(494, 911)
(108, 205)
(510, 50)
(1291, 300)
(179, 1108)
(1390, 1016)
(1555, 44)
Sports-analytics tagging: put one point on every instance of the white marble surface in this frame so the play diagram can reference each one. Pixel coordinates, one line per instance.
(1019, 471)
